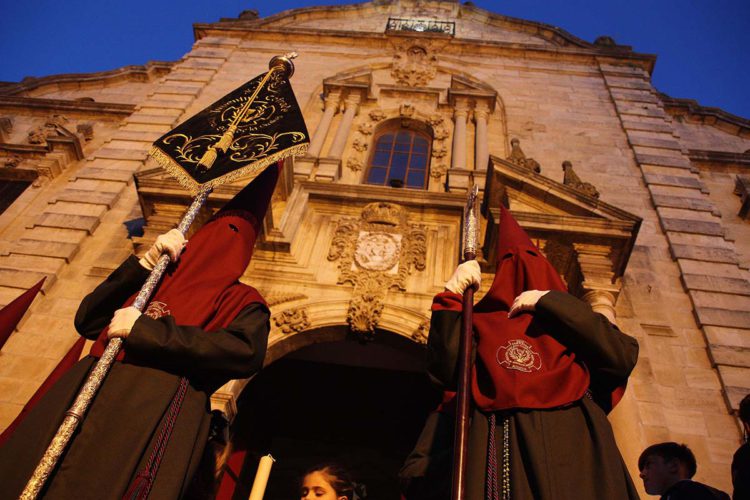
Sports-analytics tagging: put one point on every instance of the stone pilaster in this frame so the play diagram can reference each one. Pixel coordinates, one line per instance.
(481, 148)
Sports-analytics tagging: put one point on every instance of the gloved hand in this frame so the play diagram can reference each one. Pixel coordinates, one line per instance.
(172, 242)
(526, 302)
(122, 322)
(465, 275)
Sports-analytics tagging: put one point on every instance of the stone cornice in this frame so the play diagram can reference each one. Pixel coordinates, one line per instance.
(147, 72)
(720, 157)
(459, 46)
(56, 105)
(706, 114)
(552, 34)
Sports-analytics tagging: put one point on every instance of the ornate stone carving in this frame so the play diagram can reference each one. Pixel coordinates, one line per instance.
(51, 128)
(6, 125)
(414, 65)
(376, 114)
(571, 179)
(439, 152)
(365, 128)
(277, 298)
(360, 145)
(518, 157)
(292, 320)
(421, 333)
(86, 130)
(406, 111)
(12, 161)
(440, 133)
(354, 164)
(436, 120)
(376, 253)
(439, 170)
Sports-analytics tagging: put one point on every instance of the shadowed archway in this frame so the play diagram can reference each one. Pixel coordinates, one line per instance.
(362, 404)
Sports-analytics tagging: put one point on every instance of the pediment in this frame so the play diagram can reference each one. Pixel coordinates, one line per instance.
(469, 22)
(560, 219)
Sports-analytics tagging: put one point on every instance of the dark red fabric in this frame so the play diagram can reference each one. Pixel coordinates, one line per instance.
(72, 356)
(232, 475)
(12, 313)
(203, 288)
(519, 365)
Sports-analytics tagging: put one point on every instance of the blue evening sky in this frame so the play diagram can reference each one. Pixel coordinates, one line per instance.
(702, 45)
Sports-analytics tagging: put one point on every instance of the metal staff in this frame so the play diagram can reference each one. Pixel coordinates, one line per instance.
(461, 433)
(75, 414)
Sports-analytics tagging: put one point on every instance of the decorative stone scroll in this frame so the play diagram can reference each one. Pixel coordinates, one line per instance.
(376, 253)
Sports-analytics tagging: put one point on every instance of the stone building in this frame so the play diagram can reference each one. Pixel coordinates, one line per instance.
(639, 199)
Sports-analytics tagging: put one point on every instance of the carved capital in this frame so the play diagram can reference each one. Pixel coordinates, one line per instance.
(602, 302)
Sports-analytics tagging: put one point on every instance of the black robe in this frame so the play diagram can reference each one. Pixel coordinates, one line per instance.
(116, 437)
(562, 453)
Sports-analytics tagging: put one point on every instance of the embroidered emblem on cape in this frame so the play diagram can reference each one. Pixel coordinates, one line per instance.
(518, 355)
(156, 310)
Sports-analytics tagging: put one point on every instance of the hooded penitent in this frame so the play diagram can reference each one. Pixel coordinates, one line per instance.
(519, 363)
(203, 287)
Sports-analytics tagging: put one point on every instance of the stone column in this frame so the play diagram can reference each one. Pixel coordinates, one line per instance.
(481, 148)
(601, 294)
(458, 157)
(351, 104)
(319, 138)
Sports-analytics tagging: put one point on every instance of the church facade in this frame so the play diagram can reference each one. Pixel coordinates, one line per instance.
(638, 199)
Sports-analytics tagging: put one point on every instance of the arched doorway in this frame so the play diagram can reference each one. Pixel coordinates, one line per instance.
(362, 404)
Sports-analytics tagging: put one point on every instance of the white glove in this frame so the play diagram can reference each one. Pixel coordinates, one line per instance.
(171, 243)
(526, 302)
(465, 275)
(122, 322)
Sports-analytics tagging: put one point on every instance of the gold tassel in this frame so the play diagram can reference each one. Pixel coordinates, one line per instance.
(225, 141)
(208, 159)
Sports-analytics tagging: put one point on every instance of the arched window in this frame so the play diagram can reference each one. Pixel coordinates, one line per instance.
(400, 158)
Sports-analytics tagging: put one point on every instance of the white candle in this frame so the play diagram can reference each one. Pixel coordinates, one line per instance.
(261, 478)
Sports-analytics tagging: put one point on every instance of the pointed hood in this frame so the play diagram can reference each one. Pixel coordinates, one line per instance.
(519, 364)
(11, 314)
(202, 288)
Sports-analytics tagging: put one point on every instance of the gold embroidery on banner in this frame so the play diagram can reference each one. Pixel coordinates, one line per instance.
(518, 355)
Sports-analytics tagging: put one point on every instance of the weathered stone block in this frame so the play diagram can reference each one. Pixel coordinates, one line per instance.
(107, 174)
(665, 161)
(722, 317)
(692, 226)
(13, 278)
(711, 254)
(698, 204)
(83, 196)
(26, 246)
(673, 180)
(720, 284)
(646, 124)
(65, 221)
(121, 154)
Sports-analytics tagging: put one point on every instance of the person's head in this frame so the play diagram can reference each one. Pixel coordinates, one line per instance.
(663, 464)
(745, 414)
(328, 481)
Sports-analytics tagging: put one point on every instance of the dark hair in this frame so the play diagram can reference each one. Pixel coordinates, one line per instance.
(745, 409)
(670, 451)
(339, 477)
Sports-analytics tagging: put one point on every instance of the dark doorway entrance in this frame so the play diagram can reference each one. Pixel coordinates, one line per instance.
(362, 405)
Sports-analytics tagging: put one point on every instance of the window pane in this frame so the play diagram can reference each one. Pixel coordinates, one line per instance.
(399, 146)
(376, 176)
(418, 162)
(420, 145)
(386, 141)
(380, 158)
(404, 137)
(415, 179)
(398, 165)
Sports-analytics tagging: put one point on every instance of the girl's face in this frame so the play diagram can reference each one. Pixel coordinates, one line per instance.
(316, 486)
